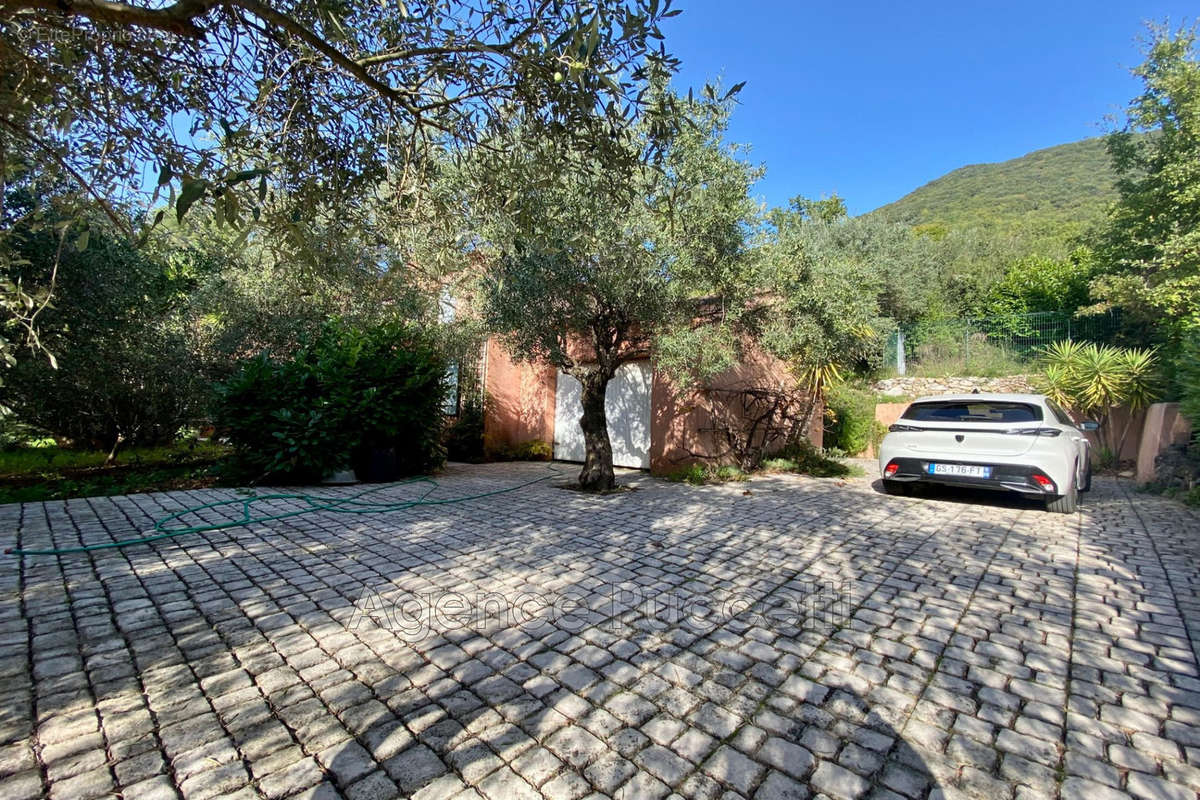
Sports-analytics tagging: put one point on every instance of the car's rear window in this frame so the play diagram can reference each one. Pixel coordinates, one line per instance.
(972, 411)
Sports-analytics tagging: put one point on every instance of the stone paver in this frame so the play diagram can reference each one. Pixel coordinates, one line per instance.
(783, 638)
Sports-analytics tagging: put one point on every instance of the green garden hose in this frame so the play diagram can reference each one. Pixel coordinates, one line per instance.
(352, 504)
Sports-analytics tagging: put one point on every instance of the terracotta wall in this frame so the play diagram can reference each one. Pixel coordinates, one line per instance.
(886, 413)
(1164, 427)
(520, 400)
(678, 421)
(520, 407)
(1115, 427)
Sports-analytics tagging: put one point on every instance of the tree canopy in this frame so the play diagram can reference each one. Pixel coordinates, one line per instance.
(1150, 246)
(825, 280)
(310, 103)
(312, 123)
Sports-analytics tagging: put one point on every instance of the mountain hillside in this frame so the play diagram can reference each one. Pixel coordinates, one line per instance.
(1048, 196)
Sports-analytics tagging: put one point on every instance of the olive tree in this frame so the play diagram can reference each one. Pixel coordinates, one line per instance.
(588, 262)
(825, 314)
(321, 98)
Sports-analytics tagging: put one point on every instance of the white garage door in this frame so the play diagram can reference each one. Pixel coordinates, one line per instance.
(627, 405)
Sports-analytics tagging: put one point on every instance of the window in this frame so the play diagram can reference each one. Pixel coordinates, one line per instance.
(973, 411)
(450, 404)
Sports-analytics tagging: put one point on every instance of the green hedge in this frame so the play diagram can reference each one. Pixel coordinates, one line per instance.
(464, 436)
(1188, 380)
(851, 425)
(126, 373)
(343, 400)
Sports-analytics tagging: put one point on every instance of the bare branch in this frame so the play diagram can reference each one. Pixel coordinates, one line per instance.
(477, 48)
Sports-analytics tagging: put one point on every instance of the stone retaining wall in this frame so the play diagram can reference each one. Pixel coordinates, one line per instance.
(912, 387)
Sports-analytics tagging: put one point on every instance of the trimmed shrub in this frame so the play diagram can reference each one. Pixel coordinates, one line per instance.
(368, 399)
(800, 457)
(464, 436)
(851, 426)
(699, 474)
(692, 473)
(804, 458)
(530, 450)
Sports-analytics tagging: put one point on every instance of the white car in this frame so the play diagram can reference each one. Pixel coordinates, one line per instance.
(1016, 442)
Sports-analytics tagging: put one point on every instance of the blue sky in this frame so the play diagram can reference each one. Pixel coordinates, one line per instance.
(873, 99)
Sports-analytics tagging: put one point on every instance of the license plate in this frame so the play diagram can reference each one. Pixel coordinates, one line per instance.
(960, 470)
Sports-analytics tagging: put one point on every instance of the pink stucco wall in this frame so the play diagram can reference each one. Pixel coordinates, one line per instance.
(520, 400)
(1115, 428)
(520, 406)
(679, 419)
(1164, 427)
(887, 414)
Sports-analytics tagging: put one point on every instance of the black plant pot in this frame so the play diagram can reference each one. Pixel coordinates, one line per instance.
(377, 465)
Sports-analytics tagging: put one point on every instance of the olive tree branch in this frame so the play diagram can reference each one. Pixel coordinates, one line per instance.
(178, 18)
(62, 162)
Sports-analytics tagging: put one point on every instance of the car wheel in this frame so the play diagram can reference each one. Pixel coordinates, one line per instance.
(1087, 478)
(897, 488)
(1065, 503)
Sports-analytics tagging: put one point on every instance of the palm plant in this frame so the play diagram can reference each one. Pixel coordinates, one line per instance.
(1058, 380)
(1143, 385)
(815, 378)
(1093, 379)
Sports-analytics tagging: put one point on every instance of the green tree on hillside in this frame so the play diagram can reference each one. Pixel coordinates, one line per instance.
(1044, 200)
(1150, 246)
(1037, 284)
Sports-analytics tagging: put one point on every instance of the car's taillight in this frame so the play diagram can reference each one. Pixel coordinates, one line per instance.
(1044, 482)
(898, 428)
(1034, 431)
(891, 469)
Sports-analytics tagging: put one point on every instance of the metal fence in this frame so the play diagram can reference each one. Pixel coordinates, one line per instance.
(993, 344)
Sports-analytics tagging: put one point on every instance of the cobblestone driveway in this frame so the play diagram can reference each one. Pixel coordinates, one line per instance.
(837, 641)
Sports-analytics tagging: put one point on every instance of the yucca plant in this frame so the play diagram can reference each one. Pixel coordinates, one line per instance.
(1102, 377)
(1093, 379)
(1060, 380)
(1061, 353)
(1057, 383)
(1143, 386)
(816, 378)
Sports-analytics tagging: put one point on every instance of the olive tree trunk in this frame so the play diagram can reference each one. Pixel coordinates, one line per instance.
(597, 473)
